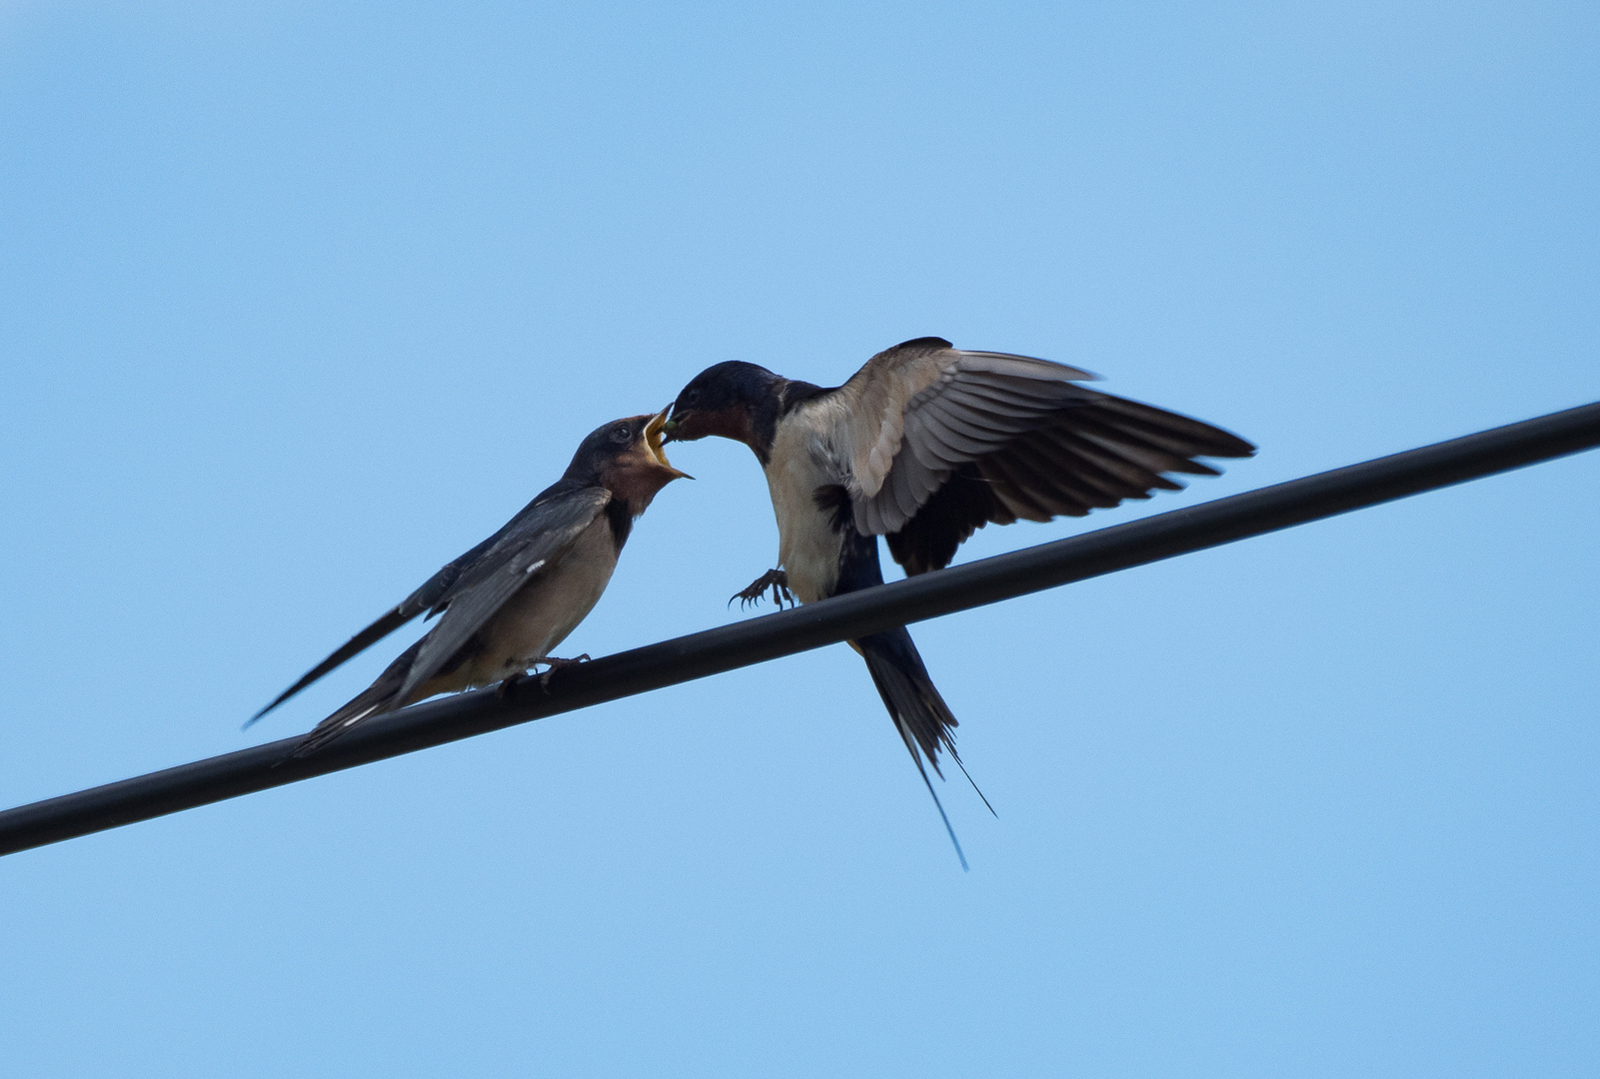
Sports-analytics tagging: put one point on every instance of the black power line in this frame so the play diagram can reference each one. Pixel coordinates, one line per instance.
(727, 647)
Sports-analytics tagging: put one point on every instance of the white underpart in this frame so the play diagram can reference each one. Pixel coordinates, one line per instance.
(804, 458)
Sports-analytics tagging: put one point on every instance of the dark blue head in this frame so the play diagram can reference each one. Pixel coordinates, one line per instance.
(735, 400)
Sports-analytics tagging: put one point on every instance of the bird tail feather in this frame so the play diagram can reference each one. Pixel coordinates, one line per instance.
(924, 721)
(380, 697)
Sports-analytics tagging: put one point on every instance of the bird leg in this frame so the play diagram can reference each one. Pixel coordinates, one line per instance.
(556, 665)
(775, 579)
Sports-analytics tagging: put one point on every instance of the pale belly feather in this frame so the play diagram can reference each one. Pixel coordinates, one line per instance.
(540, 616)
(808, 547)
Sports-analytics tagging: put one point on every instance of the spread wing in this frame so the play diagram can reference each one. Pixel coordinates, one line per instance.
(537, 538)
(944, 441)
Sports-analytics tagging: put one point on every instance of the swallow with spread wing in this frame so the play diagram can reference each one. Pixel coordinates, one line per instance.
(511, 599)
(923, 445)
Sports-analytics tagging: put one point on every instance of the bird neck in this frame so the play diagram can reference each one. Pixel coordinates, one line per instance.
(620, 515)
(759, 428)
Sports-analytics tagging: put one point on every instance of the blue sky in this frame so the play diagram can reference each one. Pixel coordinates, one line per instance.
(301, 301)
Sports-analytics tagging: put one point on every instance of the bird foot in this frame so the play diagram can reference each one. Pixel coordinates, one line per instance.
(503, 690)
(775, 579)
(556, 665)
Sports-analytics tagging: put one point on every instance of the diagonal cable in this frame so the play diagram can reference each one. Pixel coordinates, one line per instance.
(725, 648)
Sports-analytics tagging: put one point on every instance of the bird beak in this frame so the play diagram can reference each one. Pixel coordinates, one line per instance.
(652, 440)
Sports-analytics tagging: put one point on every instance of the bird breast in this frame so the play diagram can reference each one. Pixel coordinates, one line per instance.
(549, 607)
(808, 546)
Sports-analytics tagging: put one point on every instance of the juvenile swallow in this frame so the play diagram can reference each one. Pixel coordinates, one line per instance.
(511, 599)
(923, 445)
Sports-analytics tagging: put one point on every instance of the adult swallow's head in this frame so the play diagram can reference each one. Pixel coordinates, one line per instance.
(727, 400)
(625, 457)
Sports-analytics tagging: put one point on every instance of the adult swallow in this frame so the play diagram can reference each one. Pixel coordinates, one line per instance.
(923, 445)
(511, 599)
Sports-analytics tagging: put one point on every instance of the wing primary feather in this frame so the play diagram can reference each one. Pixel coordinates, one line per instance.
(1063, 451)
(1209, 441)
(380, 629)
(1123, 454)
(1113, 425)
(992, 437)
(1046, 488)
(431, 597)
(1011, 490)
(1172, 455)
(1088, 471)
(1023, 366)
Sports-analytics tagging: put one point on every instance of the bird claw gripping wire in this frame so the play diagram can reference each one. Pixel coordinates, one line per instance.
(775, 579)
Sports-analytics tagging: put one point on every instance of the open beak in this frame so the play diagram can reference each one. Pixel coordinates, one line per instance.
(652, 440)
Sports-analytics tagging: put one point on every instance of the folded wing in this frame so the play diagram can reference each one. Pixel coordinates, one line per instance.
(424, 598)
(439, 589)
(536, 540)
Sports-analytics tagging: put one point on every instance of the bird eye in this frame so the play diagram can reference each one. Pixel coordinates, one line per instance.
(621, 435)
(691, 398)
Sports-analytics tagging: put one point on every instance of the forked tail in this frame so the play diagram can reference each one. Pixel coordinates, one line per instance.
(924, 721)
(375, 700)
